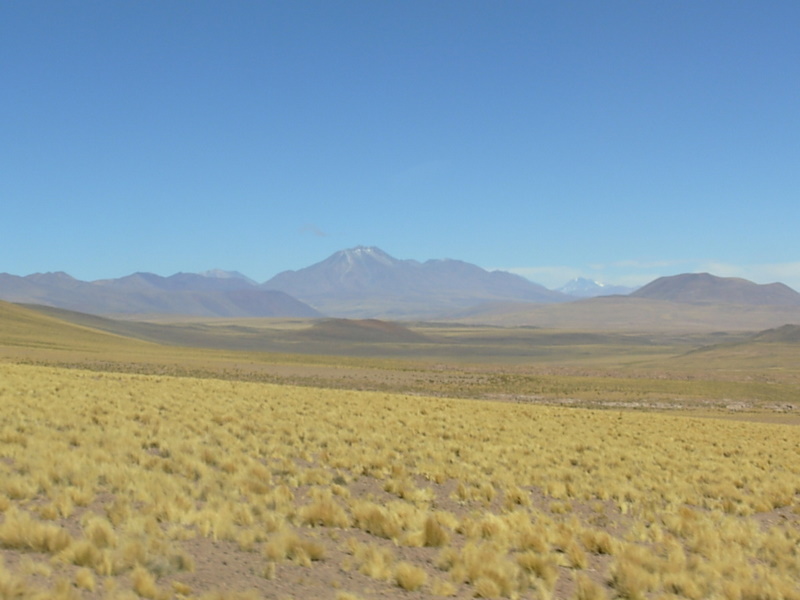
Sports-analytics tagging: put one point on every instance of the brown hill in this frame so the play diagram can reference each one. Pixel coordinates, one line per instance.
(363, 330)
(704, 288)
(624, 313)
(786, 334)
(772, 349)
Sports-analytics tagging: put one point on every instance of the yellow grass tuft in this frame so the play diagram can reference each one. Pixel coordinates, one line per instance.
(597, 542)
(487, 562)
(100, 532)
(442, 587)
(347, 596)
(181, 588)
(84, 553)
(409, 577)
(144, 584)
(325, 511)
(84, 579)
(632, 575)
(434, 532)
(377, 520)
(487, 587)
(372, 560)
(576, 556)
(19, 531)
(286, 544)
(586, 589)
(12, 587)
(543, 566)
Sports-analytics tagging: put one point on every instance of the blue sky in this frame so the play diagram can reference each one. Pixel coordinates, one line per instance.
(615, 140)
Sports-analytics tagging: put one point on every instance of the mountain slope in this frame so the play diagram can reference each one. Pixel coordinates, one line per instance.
(706, 288)
(146, 293)
(367, 282)
(25, 327)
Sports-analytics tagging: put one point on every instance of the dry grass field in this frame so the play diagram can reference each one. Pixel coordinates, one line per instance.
(460, 462)
(143, 486)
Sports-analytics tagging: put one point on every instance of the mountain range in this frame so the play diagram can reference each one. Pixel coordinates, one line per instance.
(580, 287)
(365, 282)
(146, 293)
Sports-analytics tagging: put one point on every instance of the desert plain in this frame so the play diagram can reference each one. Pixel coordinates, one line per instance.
(345, 459)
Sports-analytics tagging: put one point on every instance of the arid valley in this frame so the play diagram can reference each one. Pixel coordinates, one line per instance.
(347, 459)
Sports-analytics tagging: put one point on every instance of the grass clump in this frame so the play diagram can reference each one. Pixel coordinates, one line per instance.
(20, 531)
(324, 511)
(287, 545)
(409, 577)
(586, 589)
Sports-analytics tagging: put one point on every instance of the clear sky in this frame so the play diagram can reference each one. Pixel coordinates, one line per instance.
(616, 140)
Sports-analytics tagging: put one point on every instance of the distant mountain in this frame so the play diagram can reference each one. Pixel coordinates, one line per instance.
(220, 274)
(146, 293)
(367, 282)
(186, 282)
(581, 287)
(703, 288)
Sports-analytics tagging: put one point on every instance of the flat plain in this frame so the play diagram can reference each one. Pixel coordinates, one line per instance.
(342, 460)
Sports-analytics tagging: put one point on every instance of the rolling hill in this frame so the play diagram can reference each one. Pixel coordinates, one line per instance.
(26, 327)
(697, 288)
(633, 313)
(362, 330)
(786, 334)
(774, 349)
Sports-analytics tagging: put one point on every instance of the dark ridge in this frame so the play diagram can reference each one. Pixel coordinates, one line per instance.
(363, 330)
(786, 334)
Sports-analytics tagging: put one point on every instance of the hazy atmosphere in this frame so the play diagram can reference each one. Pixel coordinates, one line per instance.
(618, 141)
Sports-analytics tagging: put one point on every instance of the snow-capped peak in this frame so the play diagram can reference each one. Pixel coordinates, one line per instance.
(365, 253)
(580, 284)
(589, 288)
